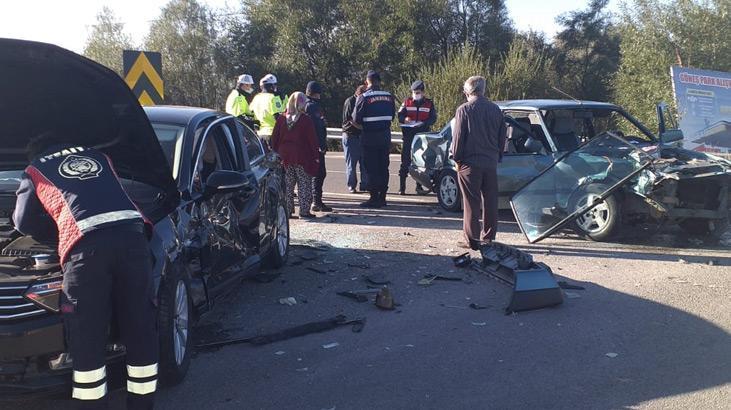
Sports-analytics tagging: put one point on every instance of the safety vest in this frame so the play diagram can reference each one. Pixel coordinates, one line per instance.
(264, 107)
(80, 190)
(236, 104)
(418, 112)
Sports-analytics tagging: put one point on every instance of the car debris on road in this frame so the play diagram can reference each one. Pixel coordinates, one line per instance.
(297, 331)
(384, 299)
(534, 286)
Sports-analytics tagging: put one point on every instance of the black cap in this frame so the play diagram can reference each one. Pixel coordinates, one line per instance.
(373, 75)
(313, 87)
(417, 85)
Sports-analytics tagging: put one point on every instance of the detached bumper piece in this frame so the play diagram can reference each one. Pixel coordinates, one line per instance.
(534, 286)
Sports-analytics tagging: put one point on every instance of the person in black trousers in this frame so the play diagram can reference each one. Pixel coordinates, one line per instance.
(71, 194)
(373, 113)
(417, 114)
(314, 110)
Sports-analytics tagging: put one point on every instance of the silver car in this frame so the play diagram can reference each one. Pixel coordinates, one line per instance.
(589, 165)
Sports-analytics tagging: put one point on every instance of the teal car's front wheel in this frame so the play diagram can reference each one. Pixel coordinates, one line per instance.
(603, 221)
(448, 193)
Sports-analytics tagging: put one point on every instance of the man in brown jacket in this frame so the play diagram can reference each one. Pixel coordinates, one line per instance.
(478, 139)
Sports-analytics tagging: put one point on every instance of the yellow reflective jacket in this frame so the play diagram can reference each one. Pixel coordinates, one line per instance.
(236, 104)
(265, 106)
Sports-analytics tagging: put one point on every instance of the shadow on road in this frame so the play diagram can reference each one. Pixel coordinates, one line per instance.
(400, 213)
(409, 213)
(435, 353)
(627, 255)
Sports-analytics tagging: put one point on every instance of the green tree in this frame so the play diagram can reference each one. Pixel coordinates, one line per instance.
(524, 72)
(186, 35)
(485, 25)
(587, 52)
(657, 34)
(107, 40)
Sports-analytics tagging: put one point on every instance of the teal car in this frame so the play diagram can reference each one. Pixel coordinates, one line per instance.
(589, 165)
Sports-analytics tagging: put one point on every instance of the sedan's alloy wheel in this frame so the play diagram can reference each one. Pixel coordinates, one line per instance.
(282, 231)
(448, 190)
(180, 322)
(596, 219)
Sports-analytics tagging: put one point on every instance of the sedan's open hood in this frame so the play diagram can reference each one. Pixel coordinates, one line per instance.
(47, 88)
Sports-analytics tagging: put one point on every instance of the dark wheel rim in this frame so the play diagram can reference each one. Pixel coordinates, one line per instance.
(180, 322)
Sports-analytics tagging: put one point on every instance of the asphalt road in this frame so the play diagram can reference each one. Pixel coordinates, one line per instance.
(650, 330)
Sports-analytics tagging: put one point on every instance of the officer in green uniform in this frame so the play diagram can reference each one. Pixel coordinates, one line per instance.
(237, 103)
(268, 105)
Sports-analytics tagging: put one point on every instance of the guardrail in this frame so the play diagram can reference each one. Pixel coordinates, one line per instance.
(337, 135)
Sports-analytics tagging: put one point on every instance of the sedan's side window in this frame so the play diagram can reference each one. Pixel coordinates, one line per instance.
(531, 122)
(254, 149)
(215, 154)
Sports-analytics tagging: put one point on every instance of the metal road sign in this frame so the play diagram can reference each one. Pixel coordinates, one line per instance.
(143, 75)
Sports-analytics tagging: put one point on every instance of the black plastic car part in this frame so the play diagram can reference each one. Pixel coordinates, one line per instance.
(534, 289)
(534, 286)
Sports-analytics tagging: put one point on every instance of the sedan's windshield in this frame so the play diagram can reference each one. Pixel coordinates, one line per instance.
(571, 127)
(170, 137)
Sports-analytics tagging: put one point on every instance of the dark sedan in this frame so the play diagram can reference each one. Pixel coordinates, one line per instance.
(212, 189)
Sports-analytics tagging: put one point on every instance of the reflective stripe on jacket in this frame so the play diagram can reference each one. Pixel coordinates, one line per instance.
(374, 110)
(79, 189)
(418, 111)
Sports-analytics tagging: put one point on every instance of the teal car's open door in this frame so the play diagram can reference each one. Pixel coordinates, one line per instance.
(559, 194)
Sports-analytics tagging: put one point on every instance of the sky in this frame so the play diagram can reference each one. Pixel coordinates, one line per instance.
(67, 23)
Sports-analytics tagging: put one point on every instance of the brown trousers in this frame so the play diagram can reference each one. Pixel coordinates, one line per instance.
(479, 196)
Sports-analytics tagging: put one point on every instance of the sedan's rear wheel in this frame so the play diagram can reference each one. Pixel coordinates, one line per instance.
(448, 193)
(277, 256)
(175, 318)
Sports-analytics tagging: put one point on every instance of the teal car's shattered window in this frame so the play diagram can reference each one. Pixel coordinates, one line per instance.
(576, 184)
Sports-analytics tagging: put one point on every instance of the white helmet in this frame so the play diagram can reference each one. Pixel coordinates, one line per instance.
(245, 79)
(268, 79)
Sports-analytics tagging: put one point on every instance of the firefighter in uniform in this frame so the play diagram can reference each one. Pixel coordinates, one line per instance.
(417, 114)
(237, 103)
(103, 249)
(373, 113)
(268, 105)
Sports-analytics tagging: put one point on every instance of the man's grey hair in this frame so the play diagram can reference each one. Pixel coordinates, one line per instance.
(475, 85)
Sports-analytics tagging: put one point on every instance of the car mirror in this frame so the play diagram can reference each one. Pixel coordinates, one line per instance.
(532, 145)
(670, 136)
(221, 182)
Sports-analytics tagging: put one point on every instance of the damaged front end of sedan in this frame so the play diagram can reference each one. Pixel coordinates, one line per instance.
(688, 188)
(661, 183)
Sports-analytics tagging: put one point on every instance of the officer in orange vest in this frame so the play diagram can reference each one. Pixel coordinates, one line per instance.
(417, 114)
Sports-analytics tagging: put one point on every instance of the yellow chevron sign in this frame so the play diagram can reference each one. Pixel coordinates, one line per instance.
(143, 75)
